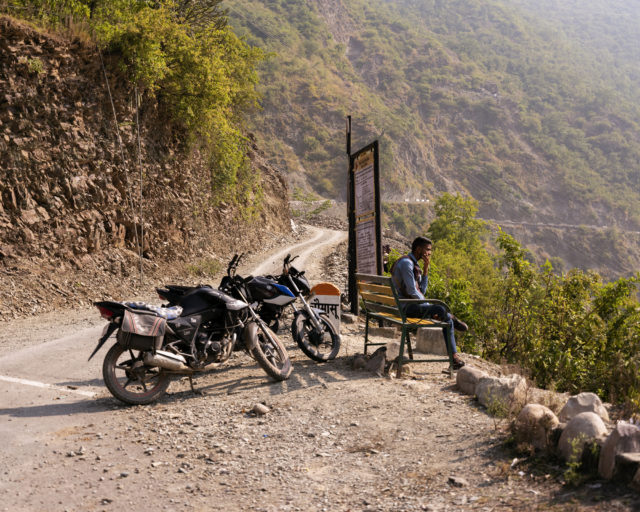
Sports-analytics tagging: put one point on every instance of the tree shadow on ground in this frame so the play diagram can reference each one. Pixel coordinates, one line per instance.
(306, 373)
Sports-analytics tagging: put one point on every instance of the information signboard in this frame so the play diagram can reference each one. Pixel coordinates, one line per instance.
(366, 246)
(364, 183)
(365, 233)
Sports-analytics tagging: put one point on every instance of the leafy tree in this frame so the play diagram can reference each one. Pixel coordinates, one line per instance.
(202, 14)
(456, 222)
(184, 54)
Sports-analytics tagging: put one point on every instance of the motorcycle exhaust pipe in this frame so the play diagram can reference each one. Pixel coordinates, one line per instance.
(166, 360)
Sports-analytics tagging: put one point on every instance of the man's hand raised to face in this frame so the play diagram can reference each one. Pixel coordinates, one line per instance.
(426, 255)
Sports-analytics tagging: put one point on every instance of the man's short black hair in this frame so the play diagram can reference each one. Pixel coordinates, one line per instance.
(419, 242)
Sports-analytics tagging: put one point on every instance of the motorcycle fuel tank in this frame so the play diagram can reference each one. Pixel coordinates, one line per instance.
(203, 298)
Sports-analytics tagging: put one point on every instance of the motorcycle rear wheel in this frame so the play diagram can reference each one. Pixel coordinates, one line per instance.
(130, 380)
(321, 347)
(271, 354)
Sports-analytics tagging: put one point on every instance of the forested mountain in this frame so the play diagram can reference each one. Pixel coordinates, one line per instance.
(531, 107)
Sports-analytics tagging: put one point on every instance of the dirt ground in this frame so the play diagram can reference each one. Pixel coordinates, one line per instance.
(334, 439)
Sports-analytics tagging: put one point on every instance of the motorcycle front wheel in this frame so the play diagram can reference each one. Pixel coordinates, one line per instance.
(270, 353)
(320, 346)
(130, 380)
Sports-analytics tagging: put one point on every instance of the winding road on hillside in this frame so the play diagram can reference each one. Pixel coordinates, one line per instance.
(310, 252)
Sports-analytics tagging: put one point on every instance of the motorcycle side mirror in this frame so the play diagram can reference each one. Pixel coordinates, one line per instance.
(287, 258)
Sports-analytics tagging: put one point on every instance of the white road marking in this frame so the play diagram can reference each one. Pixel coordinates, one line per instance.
(45, 385)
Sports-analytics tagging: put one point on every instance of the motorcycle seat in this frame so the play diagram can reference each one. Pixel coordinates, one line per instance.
(170, 313)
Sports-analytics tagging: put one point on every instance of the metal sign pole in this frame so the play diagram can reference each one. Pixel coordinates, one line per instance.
(351, 216)
(376, 180)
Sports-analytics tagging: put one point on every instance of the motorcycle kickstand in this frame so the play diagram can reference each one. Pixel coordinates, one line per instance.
(194, 390)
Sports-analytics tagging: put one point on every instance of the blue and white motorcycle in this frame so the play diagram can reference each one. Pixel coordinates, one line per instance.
(311, 328)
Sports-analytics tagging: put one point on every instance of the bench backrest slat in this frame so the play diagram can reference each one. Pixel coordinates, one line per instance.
(382, 289)
(378, 299)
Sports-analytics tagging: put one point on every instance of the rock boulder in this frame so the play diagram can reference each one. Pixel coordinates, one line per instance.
(534, 425)
(624, 438)
(583, 428)
(467, 379)
(584, 402)
(504, 393)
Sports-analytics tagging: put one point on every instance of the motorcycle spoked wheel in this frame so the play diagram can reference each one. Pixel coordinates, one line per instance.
(130, 380)
(271, 354)
(319, 346)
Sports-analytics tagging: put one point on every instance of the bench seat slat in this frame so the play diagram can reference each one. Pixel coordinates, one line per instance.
(420, 322)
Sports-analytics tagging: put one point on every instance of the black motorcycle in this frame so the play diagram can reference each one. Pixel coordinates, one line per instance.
(197, 334)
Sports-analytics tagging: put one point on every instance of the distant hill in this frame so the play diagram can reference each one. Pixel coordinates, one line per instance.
(530, 107)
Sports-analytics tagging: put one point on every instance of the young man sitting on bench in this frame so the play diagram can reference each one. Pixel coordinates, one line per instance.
(411, 283)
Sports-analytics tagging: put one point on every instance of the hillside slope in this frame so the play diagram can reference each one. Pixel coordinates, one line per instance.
(488, 98)
(70, 211)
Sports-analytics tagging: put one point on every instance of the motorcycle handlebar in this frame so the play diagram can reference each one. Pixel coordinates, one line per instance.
(235, 261)
(288, 259)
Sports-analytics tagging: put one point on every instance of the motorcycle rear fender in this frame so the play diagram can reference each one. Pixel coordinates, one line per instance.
(112, 327)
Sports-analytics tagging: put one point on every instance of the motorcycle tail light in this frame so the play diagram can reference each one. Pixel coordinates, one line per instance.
(105, 313)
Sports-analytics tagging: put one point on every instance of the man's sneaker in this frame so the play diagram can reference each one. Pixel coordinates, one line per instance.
(457, 362)
(458, 325)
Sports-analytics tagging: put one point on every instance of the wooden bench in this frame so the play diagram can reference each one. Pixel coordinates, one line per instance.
(380, 301)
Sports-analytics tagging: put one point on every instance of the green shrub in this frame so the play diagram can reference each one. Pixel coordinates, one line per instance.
(569, 331)
(184, 54)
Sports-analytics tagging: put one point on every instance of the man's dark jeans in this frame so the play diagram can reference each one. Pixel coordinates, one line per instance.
(435, 311)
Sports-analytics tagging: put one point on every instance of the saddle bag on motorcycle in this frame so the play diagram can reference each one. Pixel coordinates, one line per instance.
(141, 330)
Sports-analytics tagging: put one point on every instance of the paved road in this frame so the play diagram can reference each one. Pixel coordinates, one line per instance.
(50, 386)
(309, 253)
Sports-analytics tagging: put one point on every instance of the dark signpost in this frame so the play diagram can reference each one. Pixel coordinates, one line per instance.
(363, 209)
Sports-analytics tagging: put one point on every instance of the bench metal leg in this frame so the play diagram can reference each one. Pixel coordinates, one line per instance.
(366, 333)
(401, 352)
(409, 349)
(446, 332)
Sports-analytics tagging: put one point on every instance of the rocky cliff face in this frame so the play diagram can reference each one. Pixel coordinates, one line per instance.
(71, 223)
